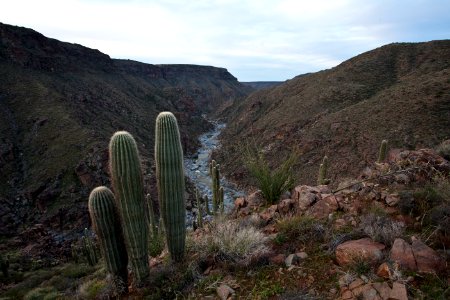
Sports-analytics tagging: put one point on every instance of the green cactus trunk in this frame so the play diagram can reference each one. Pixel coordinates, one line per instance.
(323, 169)
(206, 200)
(221, 202)
(126, 174)
(382, 152)
(200, 209)
(107, 226)
(214, 170)
(170, 179)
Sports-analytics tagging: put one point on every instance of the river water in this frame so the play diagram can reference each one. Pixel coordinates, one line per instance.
(197, 168)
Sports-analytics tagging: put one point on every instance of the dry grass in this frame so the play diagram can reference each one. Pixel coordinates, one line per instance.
(381, 228)
(227, 240)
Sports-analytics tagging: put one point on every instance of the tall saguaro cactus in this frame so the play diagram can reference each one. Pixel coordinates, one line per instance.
(170, 180)
(126, 175)
(107, 226)
(323, 169)
(382, 152)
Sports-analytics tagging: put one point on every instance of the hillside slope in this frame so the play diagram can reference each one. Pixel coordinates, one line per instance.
(399, 92)
(61, 102)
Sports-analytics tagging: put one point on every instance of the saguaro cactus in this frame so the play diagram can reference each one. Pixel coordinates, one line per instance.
(323, 169)
(383, 150)
(199, 208)
(170, 180)
(107, 226)
(214, 170)
(126, 175)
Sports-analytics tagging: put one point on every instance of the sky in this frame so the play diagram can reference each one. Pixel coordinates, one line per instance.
(256, 40)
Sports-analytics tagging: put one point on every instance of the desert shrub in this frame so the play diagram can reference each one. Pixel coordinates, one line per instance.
(77, 270)
(381, 228)
(444, 149)
(439, 217)
(272, 182)
(42, 293)
(302, 229)
(227, 240)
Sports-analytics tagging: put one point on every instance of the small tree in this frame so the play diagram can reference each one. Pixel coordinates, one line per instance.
(271, 182)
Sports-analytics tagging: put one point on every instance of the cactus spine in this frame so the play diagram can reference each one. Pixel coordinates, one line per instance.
(170, 180)
(107, 226)
(126, 175)
(323, 169)
(382, 152)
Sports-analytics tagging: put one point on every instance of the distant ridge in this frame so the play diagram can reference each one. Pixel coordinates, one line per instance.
(259, 85)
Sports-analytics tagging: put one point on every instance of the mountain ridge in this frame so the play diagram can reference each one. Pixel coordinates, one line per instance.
(344, 112)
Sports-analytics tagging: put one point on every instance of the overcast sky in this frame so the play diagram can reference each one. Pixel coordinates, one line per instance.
(255, 40)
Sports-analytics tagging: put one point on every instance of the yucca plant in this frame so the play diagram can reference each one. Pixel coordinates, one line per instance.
(272, 182)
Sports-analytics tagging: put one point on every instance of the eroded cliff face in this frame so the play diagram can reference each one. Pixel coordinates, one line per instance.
(63, 101)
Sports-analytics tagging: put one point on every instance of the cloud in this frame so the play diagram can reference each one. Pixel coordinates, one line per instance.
(254, 39)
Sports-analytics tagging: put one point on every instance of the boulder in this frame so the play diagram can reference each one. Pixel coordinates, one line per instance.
(384, 271)
(402, 254)
(348, 252)
(398, 292)
(286, 206)
(427, 260)
(322, 208)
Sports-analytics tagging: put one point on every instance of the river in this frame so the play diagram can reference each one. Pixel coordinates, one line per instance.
(197, 167)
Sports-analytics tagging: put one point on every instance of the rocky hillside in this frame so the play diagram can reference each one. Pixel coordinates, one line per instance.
(61, 102)
(259, 85)
(399, 92)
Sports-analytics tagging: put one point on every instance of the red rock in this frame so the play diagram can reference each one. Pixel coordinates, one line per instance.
(286, 206)
(240, 202)
(383, 289)
(348, 252)
(322, 208)
(384, 271)
(346, 295)
(356, 283)
(398, 292)
(402, 254)
(428, 261)
(223, 291)
(269, 213)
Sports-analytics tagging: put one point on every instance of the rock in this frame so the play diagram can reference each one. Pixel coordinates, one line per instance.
(255, 199)
(398, 292)
(240, 202)
(427, 260)
(383, 289)
(339, 223)
(292, 259)
(269, 213)
(384, 271)
(305, 196)
(348, 252)
(392, 199)
(223, 291)
(278, 259)
(286, 206)
(322, 208)
(356, 283)
(347, 295)
(402, 178)
(301, 255)
(402, 254)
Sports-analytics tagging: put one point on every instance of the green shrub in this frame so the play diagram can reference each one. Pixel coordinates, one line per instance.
(444, 149)
(272, 182)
